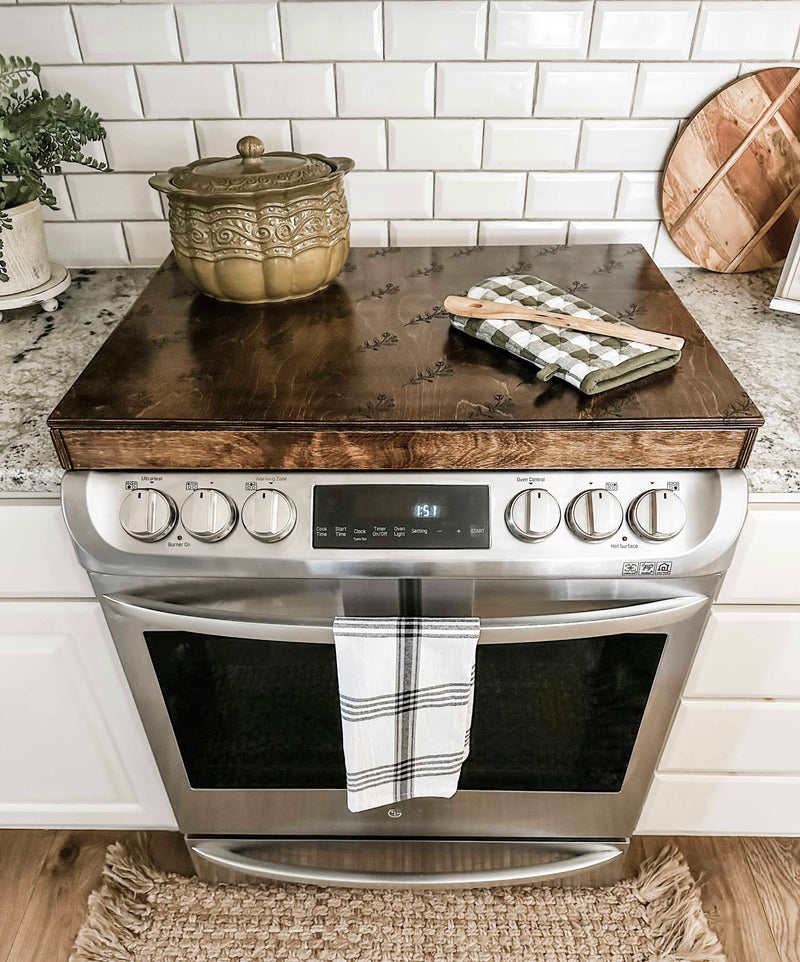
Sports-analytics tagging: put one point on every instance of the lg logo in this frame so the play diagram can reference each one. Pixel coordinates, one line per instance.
(394, 813)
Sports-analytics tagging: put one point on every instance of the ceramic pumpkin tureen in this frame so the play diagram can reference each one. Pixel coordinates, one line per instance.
(260, 226)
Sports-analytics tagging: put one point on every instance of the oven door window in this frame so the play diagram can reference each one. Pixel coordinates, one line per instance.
(556, 716)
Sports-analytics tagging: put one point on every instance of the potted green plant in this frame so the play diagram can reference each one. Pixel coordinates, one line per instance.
(38, 133)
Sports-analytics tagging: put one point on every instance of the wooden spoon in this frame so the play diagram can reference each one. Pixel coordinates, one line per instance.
(492, 310)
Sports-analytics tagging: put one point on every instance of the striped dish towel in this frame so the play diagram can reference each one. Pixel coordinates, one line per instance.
(405, 693)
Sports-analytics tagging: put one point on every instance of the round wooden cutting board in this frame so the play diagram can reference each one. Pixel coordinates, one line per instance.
(731, 189)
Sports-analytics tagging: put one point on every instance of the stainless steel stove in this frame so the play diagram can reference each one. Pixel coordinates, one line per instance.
(592, 588)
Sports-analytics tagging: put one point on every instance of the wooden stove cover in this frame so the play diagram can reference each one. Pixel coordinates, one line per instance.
(368, 374)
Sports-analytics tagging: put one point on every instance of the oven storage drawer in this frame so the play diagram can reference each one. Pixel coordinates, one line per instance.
(408, 863)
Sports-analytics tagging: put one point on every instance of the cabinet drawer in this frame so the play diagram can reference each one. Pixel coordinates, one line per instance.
(748, 652)
(721, 805)
(36, 555)
(767, 559)
(734, 737)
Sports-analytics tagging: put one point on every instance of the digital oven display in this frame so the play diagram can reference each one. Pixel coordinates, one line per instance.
(381, 516)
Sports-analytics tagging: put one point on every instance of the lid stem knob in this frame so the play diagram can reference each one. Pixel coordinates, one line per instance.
(250, 150)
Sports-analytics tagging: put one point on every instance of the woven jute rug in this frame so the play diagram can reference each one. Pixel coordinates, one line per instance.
(143, 915)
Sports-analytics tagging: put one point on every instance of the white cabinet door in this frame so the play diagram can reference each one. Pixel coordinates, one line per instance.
(721, 805)
(36, 555)
(766, 566)
(748, 651)
(73, 752)
(730, 736)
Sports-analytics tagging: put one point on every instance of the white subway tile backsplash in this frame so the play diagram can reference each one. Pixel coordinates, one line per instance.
(645, 30)
(747, 30)
(479, 195)
(389, 194)
(585, 90)
(127, 34)
(87, 244)
(148, 241)
(522, 232)
(385, 89)
(192, 91)
(117, 196)
(470, 121)
(218, 138)
(332, 30)
(58, 184)
(369, 233)
(555, 196)
(363, 140)
(435, 29)
(229, 31)
(678, 89)
(44, 33)
(150, 144)
(639, 196)
(626, 144)
(109, 90)
(287, 90)
(530, 144)
(539, 29)
(485, 89)
(614, 232)
(435, 144)
(434, 233)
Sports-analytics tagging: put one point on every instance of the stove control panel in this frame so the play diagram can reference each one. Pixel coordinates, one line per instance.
(603, 523)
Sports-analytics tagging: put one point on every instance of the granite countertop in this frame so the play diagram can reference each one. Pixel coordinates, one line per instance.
(41, 354)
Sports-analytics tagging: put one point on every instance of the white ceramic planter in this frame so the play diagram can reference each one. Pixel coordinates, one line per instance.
(25, 249)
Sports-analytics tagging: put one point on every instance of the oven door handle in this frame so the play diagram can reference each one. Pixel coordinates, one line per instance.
(225, 854)
(653, 615)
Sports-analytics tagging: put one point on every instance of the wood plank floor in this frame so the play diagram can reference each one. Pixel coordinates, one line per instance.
(751, 888)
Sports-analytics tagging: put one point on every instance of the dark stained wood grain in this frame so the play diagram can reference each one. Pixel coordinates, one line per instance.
(371, 369)
(401, 450)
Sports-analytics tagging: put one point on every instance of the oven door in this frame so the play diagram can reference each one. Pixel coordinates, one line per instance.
(570, 711)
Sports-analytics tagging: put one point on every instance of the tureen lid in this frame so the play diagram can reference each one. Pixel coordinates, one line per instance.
(251, 170)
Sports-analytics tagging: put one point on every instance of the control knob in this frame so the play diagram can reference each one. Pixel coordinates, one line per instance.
(657, 515)
(594, 515)
(269, 515)
(208, 515)
(148, 514)
(533, 515)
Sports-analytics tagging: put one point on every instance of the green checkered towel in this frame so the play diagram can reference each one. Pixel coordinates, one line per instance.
(591, 362)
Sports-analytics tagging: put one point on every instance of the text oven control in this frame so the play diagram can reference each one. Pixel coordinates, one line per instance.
(533, 515)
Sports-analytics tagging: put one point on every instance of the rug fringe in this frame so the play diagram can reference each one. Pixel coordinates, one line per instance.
(120, 910)
(677, 926)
